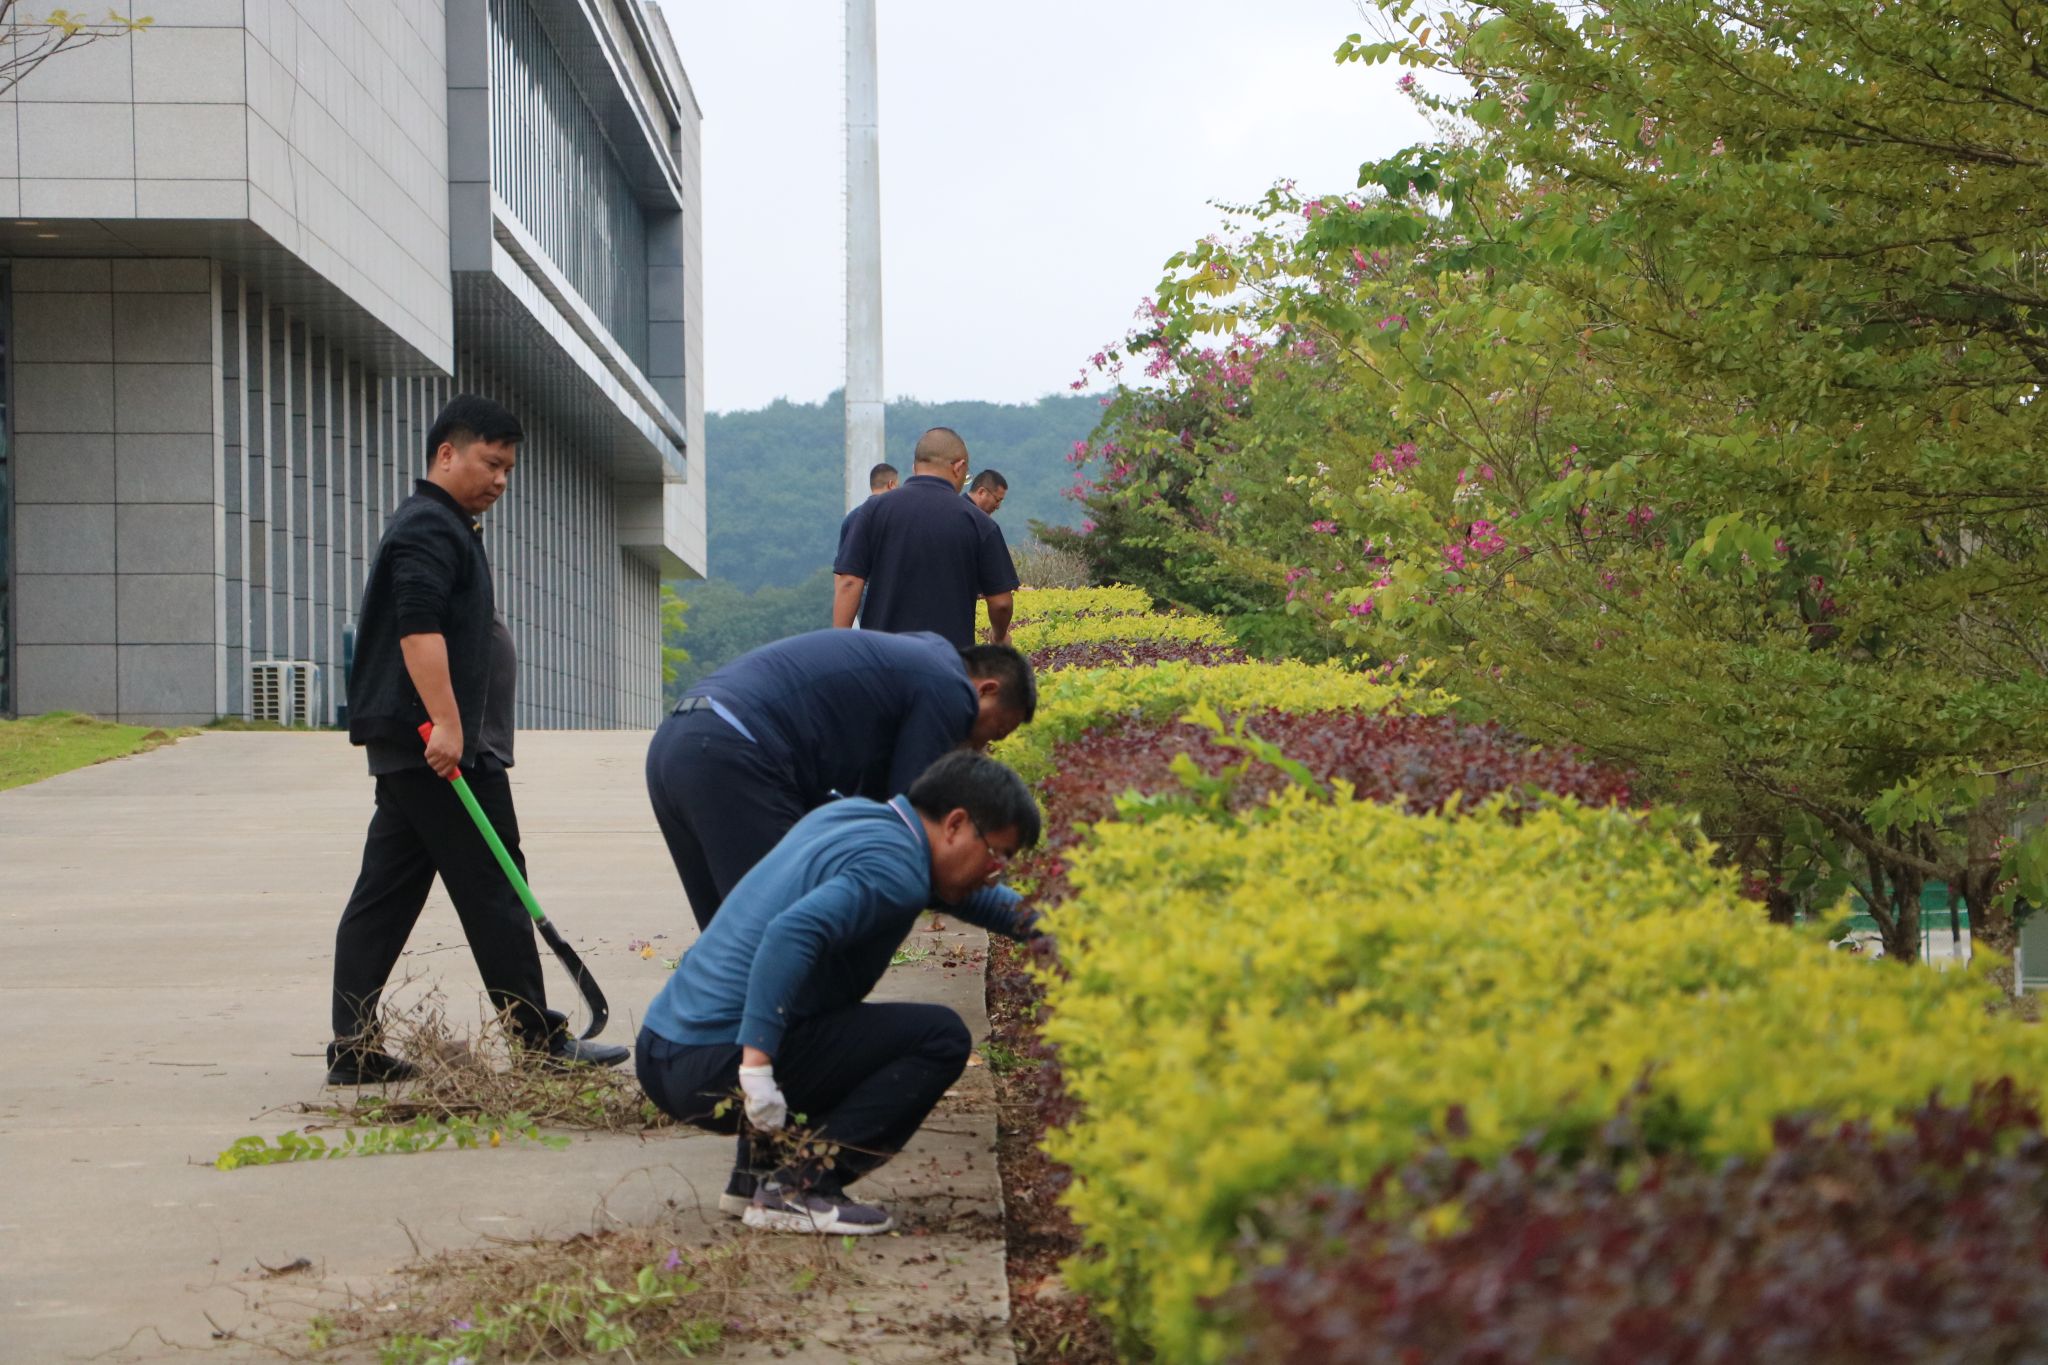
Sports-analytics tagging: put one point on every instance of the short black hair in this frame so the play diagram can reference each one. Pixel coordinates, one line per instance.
(940, 445)
(991, 793)
(471, 418)
(879, 475)
(987, 479)
(1017, 686)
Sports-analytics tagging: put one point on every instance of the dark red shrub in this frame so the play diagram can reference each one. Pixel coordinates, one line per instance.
(1839, 1248)
(1420, 761)
(1132, 653)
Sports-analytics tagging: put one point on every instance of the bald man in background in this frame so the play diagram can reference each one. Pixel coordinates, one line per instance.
(924, 554)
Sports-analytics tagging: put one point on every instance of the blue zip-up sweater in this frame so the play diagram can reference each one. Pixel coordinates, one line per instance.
(812, 927)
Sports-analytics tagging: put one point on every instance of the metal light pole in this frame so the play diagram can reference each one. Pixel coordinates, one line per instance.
(863, 253)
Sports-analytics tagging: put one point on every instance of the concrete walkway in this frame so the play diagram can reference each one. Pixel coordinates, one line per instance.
(169, 926)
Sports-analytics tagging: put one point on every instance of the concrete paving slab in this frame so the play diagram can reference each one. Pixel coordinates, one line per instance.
(169, 925)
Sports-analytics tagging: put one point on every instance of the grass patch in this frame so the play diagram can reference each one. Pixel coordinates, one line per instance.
(634, 1293)
(35, 747)
(906, 955)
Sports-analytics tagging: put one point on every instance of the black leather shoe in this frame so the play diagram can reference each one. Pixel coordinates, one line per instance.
(567, 1052)
(358, 1063)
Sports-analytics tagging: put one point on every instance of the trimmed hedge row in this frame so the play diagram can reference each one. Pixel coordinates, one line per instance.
(1307, 997)
(1258, 999)
(1073, 701)
(1844, 1247)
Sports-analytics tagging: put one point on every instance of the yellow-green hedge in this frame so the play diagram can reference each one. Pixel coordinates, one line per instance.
(1038, 604)
(1254, 1009)
(1074, 700)
(1052, 632)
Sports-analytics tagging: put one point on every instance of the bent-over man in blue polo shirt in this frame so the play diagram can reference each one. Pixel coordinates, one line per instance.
(924, 554)
(786, 727)
(771, 1001)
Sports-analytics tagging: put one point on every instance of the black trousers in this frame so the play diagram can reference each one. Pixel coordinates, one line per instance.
(722, 804)
(864, 1078)
(420, 829)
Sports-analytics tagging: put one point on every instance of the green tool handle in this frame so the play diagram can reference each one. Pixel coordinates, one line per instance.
(483, 827)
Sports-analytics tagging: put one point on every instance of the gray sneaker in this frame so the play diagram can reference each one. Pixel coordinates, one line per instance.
(739, 1193)
(776, 1209)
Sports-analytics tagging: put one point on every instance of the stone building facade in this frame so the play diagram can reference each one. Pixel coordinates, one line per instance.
(250, 251)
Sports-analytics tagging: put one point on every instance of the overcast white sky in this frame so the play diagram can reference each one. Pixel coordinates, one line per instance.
(1039, 164)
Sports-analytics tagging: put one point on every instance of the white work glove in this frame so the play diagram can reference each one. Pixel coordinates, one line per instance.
(766, 1109)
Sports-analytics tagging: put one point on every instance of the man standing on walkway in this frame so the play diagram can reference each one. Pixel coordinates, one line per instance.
(881, 479)
(772, 1000)
(924, 554)
(988, 490)
(784, 728)
(429, 647)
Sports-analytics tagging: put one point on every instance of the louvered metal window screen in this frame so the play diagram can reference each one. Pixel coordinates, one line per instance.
(551, 164)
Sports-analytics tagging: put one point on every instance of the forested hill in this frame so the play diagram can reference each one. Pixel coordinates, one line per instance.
(775, 481)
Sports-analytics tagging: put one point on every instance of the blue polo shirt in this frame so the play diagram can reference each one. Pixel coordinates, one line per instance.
(927, 554)
(812, 927)
(851, 711)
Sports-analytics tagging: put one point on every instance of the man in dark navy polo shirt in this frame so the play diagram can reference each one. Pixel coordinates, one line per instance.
(784, 728)
(924, 554)
(881, 479)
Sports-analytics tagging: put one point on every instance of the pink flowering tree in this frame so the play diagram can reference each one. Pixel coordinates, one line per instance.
(1686, 410)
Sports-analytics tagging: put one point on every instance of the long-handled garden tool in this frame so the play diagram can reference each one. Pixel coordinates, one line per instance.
(587, 984)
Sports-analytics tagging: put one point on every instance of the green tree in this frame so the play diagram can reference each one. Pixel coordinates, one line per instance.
(674, 658)
(26, 41)
(1687, 412)
(726, 621)
(775, 488)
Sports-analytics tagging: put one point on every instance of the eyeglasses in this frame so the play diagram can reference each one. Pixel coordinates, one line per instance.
(999, 859)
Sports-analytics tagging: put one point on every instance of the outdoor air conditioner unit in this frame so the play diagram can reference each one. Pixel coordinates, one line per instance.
(286, 691)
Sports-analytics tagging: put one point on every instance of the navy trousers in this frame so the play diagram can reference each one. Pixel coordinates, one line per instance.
(863, 1077)
(721, 802)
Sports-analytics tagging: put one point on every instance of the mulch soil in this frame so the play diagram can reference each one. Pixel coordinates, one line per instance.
(1049, 1322)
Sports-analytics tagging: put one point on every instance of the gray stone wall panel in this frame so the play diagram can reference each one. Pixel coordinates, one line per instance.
(64, 609)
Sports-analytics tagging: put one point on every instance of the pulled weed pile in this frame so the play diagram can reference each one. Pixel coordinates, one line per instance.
(491, 1073)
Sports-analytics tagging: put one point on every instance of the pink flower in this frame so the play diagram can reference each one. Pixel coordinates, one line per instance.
(1323, 528)
(1087, 527)
(1361, 608)
(1486, 473)
(1394, 320)
(1406, 83)
(1229, 497)
(1296, 575)
(1454, 555)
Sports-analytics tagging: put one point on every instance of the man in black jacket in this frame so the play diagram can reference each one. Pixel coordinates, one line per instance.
(429, 648)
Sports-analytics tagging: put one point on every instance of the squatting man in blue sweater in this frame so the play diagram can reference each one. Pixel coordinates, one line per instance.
(772, 999)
